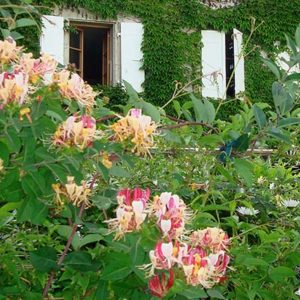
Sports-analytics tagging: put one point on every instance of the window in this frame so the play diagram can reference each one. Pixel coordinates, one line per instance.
(102, 52)
(221, 56)
(89, 52)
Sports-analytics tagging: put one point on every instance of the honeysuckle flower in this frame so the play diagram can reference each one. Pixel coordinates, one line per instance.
(297, 292)
(131, 211)
(71, 192)
(106, 160)
(72, 86)
(160, 285)
(136, 127)
(42, 67)
(164, 256)
(171, 213)
(204, 270)
(9, 51)
(13, 87)
(246, 211)
(79, 131)
(290, 203)
(272, 186)
(25, 111)
(211, 238)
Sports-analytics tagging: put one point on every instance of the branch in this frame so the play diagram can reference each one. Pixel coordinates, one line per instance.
(192, 123)
(69, 242)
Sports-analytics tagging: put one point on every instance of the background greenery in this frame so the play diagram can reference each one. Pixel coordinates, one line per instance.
(172, 39)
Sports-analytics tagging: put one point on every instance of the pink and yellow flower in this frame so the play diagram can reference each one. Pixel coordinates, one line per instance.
(72, 86)
(200, 269)
(160, 285)
(13, 88)
(42, 67)
(9, 51)
(138, 128)
(212, 238)
(131, 213)
(71, 192)
(79, 131)
(171, 213)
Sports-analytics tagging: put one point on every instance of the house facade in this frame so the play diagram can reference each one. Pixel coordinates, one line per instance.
(110, 51)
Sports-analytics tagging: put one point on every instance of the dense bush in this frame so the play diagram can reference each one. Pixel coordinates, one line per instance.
(137, 205)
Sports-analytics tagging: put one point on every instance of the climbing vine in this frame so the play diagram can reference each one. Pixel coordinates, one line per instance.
(172, 39)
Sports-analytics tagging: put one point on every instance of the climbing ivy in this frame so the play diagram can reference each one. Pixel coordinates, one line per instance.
(172, 39)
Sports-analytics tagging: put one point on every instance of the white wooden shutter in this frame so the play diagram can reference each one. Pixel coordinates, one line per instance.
(52, 38)
(239, 75)
(131, 54)
(213, 64)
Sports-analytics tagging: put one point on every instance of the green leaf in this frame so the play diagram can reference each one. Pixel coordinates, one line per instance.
(215, 294)
(291, 44)
(13, 139)
(80, 261)
(273, 67)
(244, 169)
(177, 108)
(4, 153)
(282, 99)
(150, 110)
(33, 211)
(16, 35)
(288, 122)
(118, 172)
(204, 110)
(102, 291)
(193, 293)
(23, 22)
(293, 77)
(297, 36)
(281, 273)
(133, 95)
(242, 143)
(101, 202)
(43, 259)
(90, 238)
(277, 133)
(65, 231)
(260, 116)
(117, 267)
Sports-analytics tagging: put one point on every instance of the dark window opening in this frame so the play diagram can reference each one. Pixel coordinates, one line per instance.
(230, 80)
(89, 53)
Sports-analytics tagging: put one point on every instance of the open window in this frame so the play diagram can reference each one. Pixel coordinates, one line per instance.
(90, 52)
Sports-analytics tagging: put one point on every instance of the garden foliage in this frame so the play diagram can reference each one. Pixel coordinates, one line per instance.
(138, 205)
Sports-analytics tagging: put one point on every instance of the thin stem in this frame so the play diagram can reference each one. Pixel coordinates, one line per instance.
(69, 242)
(190, 124)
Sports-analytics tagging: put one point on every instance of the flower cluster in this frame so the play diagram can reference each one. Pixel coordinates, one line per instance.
(21, 73)
(72, 86)
(203, 258)
(72, 193)
(130, 213)
(171, 213)
(9, 51)
(79, 131)
(40, 68)
(137, 128)
(13, 88)
(200, 256)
